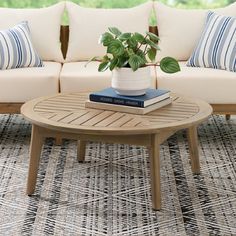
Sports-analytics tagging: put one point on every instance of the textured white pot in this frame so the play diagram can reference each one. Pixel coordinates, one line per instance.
(131, 83)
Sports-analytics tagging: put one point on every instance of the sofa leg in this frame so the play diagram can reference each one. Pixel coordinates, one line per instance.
(227, 116)
(58, 141)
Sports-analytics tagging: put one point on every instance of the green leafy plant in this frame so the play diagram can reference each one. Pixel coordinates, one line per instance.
(132, 50)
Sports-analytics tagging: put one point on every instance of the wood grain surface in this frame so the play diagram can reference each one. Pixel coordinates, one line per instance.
(67, 112)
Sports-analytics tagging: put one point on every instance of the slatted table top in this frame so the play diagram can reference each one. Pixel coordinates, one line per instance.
(67, 113)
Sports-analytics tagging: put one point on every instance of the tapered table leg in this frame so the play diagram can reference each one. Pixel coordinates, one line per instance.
(155, 172)
(35, 152)
(193, 149)
(81, 148)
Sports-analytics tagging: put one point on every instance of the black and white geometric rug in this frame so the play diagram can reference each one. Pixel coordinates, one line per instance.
(109, 194)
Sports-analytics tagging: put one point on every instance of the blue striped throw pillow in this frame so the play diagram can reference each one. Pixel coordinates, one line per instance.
(16, 49)
(217, 45)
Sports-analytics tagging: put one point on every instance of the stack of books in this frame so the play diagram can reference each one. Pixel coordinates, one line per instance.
(108, 99)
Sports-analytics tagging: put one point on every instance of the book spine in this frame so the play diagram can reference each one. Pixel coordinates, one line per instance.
(118, 101)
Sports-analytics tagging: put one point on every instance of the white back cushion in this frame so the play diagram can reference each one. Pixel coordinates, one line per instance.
(180, 29)
(44, 24)
(87, 24)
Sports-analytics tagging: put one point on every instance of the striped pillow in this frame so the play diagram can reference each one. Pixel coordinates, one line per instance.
(217, 45)
(16, 49)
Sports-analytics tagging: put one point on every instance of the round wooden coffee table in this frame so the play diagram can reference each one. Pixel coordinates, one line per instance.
(65, 116)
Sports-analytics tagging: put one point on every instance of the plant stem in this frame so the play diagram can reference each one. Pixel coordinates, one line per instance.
(145, 52)
(99, 60)
(141, 43)
(153, 64)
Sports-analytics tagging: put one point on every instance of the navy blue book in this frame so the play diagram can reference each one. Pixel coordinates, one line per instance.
(109, 95)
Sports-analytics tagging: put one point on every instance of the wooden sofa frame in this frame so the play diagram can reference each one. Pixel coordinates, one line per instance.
(14, 108)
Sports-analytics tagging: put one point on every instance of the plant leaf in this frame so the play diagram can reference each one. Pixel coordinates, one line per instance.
(106, 38)
(152, 54)
(124, 36)
(116, 48)
(142, 55)
(122, 61)
(103, 66)
(152, 44)
(153, 37)
(130, 51)
(92, 59)
(106, 58)
(135, 62)
(169, 65)
(132, 42)
(113, 63)
(139, 37)
(115, 31)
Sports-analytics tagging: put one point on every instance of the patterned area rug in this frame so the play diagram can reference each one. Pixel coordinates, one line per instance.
(109, 194)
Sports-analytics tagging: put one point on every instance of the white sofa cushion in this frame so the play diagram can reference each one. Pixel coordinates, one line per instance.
(87, 24)
(44, 24)
(77, 78)
(16, 48)
(23, 84)
(180, 29)
(212, 85)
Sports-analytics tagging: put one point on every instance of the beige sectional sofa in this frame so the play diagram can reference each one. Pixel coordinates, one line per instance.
(20, 85)
(179, 31)
(70, 74)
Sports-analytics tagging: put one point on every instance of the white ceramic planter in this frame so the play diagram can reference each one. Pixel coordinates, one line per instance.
(131, 83)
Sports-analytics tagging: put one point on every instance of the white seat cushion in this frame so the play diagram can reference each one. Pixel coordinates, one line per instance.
(87, 24)
(75, 77)
(44, 24)
(212, 85)
(23, 84)
(180, 29)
